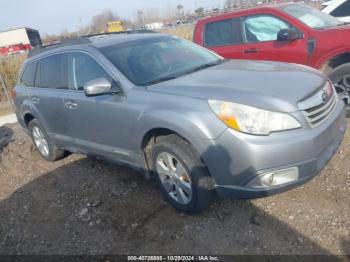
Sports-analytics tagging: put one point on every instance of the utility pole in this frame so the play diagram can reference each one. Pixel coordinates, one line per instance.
(141, 18)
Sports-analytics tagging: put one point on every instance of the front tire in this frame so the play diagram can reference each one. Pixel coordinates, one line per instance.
(42, 142)
(340, 78)
(183, 179)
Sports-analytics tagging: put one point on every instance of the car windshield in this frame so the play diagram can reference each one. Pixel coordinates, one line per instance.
(311, 16)
(153, 60)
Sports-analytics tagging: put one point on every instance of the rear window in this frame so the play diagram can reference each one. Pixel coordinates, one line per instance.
(51, 72)
(225, 32)
(342, 10)
(27, 78)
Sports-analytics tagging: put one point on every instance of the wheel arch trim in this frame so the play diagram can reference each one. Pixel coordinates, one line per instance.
(324, 61)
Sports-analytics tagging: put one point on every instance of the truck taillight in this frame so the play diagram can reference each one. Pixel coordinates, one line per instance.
(13, 94)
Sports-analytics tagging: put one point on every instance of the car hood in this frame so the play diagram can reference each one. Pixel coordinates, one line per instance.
(269, 85)
(337, 34)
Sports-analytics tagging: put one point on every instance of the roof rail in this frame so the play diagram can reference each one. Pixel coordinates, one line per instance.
(65, 42)
(81, 40)
(106, 33)
(134, 31)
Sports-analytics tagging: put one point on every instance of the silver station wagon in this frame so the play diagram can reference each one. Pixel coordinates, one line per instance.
(202, 126)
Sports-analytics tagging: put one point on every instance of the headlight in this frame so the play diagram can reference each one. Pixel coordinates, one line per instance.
(252, 120)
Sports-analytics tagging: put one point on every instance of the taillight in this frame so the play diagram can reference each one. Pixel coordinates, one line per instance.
(13, 94)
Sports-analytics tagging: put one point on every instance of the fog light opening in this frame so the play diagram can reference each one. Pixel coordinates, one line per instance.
(275, 178)
(268, 179)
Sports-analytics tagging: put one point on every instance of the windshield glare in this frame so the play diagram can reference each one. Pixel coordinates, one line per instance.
(150, 60)
(311, 16)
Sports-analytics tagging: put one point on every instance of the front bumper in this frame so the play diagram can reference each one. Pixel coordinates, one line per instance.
(235, 159)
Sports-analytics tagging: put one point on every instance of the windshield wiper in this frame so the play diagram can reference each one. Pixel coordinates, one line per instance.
(201, 67)
(166, 78)
(156, 81)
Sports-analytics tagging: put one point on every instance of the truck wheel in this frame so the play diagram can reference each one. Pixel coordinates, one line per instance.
(183, 179)
(340, 77)
(42, 142)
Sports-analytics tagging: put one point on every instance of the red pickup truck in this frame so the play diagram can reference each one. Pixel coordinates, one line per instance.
(292, 33)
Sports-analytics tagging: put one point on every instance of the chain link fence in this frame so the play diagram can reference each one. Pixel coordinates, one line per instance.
(6, 105)
(9, 71)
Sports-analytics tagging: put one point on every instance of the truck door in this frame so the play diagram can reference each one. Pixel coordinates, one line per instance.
(260, 40)
(224, 37)
(254, 37)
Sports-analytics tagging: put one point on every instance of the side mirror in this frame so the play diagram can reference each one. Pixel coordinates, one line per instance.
(289, 34)
(98, 86)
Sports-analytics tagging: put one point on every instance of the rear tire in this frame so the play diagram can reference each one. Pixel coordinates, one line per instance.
(340, 77)
(183, 179)
(42, 142)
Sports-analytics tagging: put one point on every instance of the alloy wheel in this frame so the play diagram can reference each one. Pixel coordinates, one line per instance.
(40, 141)
(174, 178)
(342, 86)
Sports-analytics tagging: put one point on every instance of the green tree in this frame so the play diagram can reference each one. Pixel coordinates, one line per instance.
(199, 11)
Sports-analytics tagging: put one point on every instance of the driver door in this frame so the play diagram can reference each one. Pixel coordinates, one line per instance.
(260, 40)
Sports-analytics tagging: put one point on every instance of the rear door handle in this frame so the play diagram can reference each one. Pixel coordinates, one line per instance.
(251, 50)
(71, 105)
(35, 99)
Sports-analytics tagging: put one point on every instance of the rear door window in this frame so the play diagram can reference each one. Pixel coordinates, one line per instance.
(262, 28)
(27, 78)
(83, 68)
(225, 32)
(51, 72)
(342, 10)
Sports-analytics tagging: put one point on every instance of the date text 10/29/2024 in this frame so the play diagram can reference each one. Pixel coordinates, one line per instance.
(173, 258)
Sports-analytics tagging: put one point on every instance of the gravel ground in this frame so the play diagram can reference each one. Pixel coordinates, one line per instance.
(83, 206)
(5, 108)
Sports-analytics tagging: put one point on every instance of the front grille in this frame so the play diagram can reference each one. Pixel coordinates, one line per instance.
(318, 107)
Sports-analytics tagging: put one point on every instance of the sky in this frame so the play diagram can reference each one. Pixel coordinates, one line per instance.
(54, 16)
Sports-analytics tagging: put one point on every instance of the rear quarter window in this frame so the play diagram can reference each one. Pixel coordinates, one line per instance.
(28, 75)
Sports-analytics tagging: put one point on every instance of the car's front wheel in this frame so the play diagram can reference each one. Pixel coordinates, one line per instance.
(181, 176)
(42, 142)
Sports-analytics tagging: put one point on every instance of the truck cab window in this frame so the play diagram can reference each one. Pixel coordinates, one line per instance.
(223, 32)
(261, 28)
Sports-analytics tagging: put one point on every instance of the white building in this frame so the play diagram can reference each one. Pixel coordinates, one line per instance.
(154, 26)
(25, 36)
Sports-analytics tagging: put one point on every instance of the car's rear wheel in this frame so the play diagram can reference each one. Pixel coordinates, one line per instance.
(183, 179)
(43, 143)
(340, 77)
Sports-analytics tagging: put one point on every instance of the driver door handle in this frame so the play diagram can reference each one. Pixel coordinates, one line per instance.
(71, 105)
(251, 51)
(35, 99)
